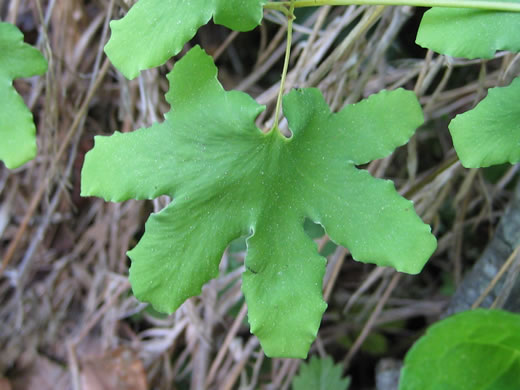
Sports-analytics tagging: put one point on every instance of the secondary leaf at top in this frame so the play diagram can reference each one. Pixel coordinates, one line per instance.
(229, 179)
(17, 131)
(489, 134)
(155, 30)
(473, 350)
(469, 33)
(320, 374)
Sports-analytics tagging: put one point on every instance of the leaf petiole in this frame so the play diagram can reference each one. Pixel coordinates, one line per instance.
(475, 4)
(279, 6)
(290, 19)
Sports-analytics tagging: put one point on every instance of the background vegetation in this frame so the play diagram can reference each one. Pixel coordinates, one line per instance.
(68, 317)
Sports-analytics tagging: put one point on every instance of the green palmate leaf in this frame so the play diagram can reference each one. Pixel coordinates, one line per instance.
(473, 350)
(490, 133)
(469, 33)
(17, 131)
(229, 179)
(155, 30)
(320, 374)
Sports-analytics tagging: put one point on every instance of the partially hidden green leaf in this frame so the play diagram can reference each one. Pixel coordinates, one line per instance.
(228, 179)
(320, 374)
(469, 33)
(375, 344)
(17, 130)
(489, 134)
(155, 30)
(473, 350)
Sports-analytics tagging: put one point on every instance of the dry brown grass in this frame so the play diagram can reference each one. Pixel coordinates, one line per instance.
(65, 298)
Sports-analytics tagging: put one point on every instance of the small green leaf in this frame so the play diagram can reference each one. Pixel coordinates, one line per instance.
(228, 179)
(473, 350)
(469, 33)
(320, 374)
(17, 131)
(489, 134)
(155, 30)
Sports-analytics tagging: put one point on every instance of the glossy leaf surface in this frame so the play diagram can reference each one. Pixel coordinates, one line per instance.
(473, 350)
(320, 374)
(17, 130)
(489, 134)
(155, 30)
(469, 33)
(228, 179)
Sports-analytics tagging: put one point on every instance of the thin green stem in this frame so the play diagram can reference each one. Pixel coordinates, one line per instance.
(290, 19)
(475, 4)
(278, 7)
